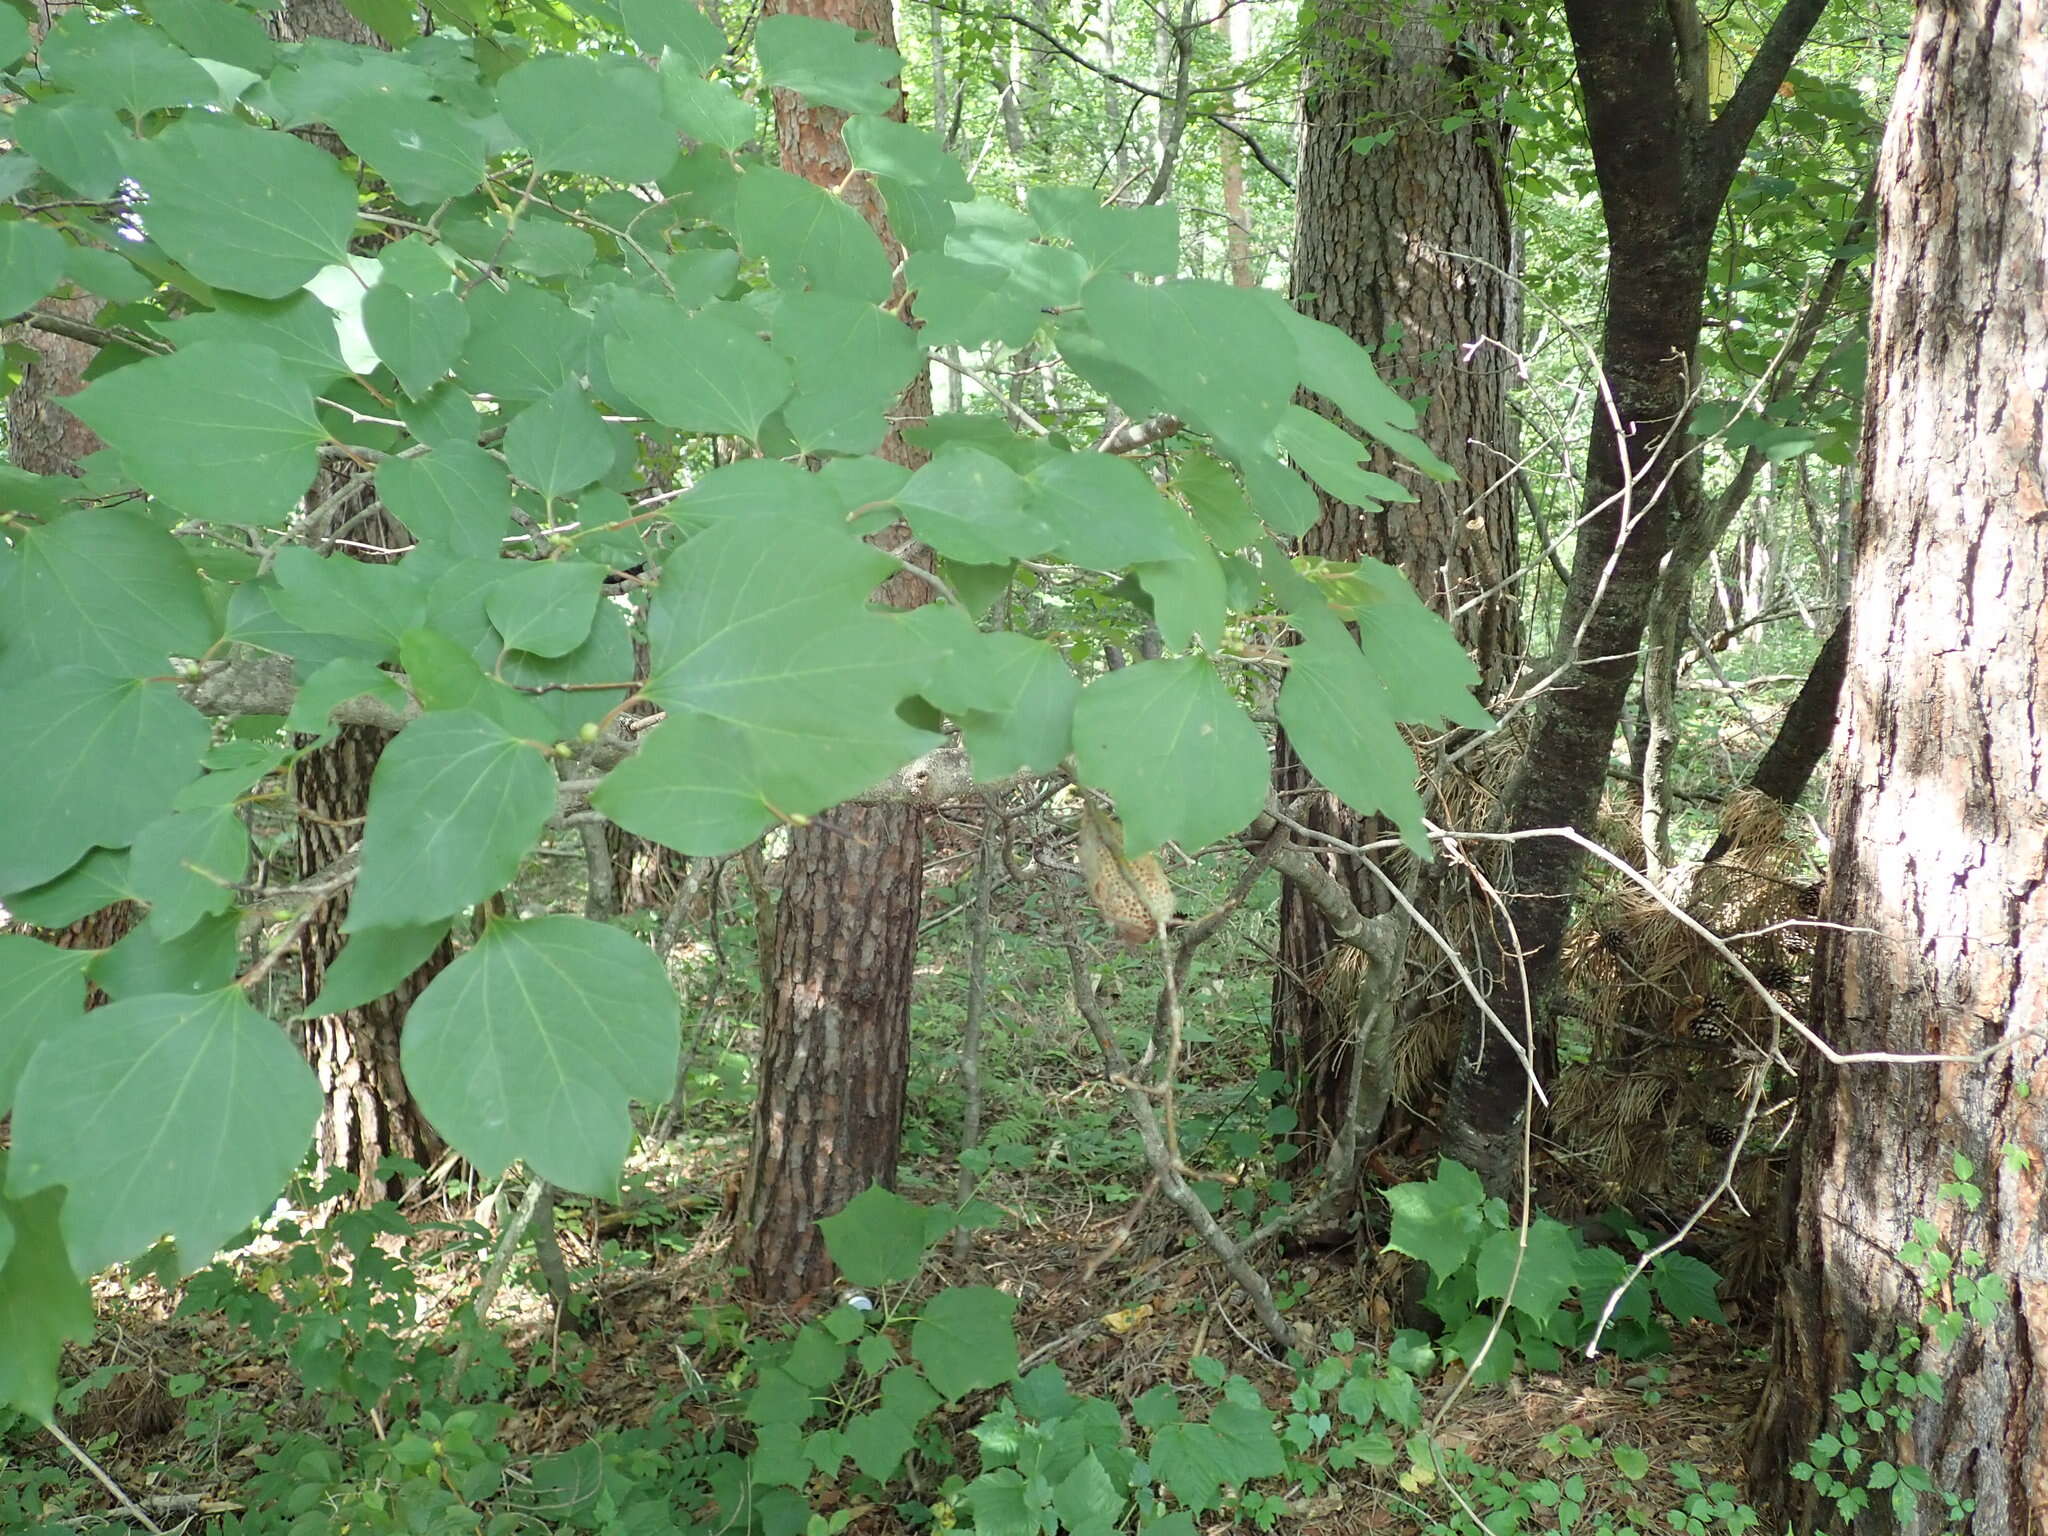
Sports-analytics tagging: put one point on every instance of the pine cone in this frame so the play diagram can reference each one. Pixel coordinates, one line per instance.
(1719, 1137)
(1774, 974)
(1809, 899)
(1709, 1027)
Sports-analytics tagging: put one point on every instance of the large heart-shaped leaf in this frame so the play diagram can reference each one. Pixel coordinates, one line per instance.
(106, 589)
(243, 208)
(109, 754)
(456, 802)
(42, 993)
(1180, 756)
(700, 373)
(533, 1045)
(219, 428)
(127, 1110)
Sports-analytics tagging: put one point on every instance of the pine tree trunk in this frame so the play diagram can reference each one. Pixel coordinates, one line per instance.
(1411, 238)
(836, 1023)
(1939, 873)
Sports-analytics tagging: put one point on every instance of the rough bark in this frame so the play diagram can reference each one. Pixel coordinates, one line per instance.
(1664, 168)
(1411, 239)
(369, 1113)
(1939, 870)
(1803, 735)
(836, 1019)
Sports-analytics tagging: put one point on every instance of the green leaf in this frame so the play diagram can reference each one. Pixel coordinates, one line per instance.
(109, 754)
(1217, 355)
(98, 880)
(808, 237)
(1332, 457)
(336, 683)
(970, 506)
(1013, 698)
(31, 264)
(104, 588)
(766, 623)
(42, 1304)
(445, 677)
(1142, 240)
(533, 1044)
(708, 110)
(371, 963)
(422, 148)
(456, 496)
(693, 786)
(1686, 1288)
(558, 446)
(907, 154)
(545, 606)
(299, 329)
(334, 595)
(1087, 1500)
(1341, 371)
(1104, 512)
(1001, 1505)
(852, 362)
(78, 142)
(1549, 1271)
(147, 961)
(877, 1239)
(523, 344)
(417, 337)
(121, 63)
(208, 29)
(102, 272)
(15, 38)
(1427, 673)
(1438, 1220)
(42, 994)
(969, 303)
(965, 1340)
(219, 429)
(1280, 496)
(125, 1110)
(705, 372)
(246, 209)
(1169, 744)
(455, 803)
(878, 1442)
(676, 26)
(1190, 599)
(1206, 484)
(186, 866)
(1630, 1462)
(600, 117)
(1336, 716)
(827, 64)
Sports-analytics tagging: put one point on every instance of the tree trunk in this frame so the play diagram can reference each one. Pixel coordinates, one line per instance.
(369, 1113)
(1664, 168)
(1803, 736)
(1411, 239)
(836, 1017)
(1939, 873)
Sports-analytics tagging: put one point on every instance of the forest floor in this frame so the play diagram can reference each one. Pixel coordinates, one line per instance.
(1119, 1305)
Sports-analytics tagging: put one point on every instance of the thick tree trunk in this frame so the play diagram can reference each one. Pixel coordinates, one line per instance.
(1411, 238)
(836, 1023)
(1664, 169)
(1939, 872)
